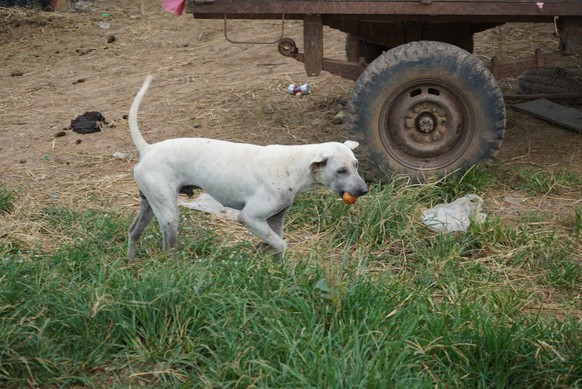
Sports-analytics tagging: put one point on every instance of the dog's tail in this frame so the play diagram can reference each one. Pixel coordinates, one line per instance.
(138, 139)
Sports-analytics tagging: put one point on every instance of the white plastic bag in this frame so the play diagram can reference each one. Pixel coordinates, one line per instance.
(205, 203)
(455, 216)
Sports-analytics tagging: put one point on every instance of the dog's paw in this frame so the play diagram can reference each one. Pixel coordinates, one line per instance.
(278, 257)
(265, 247)
(261, 246)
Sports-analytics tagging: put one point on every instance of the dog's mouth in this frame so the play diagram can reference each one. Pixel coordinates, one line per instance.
(348, 198)
(355, 193)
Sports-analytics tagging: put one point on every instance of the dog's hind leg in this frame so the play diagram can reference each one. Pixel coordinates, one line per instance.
(169, 229)
(143, 218)
(166, 210)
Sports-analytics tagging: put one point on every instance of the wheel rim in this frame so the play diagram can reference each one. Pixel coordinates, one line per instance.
(426, 124)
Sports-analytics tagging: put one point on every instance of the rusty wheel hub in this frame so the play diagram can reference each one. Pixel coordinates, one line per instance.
(426, 124)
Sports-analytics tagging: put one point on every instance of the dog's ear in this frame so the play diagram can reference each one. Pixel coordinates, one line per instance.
(318, 163)
(352, 144)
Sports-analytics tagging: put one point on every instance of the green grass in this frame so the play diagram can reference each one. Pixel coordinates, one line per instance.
(6, 199)
(542, 182)
(377, 301)
(577, 221)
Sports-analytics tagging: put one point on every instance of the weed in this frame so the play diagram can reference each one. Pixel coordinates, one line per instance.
(543, 183)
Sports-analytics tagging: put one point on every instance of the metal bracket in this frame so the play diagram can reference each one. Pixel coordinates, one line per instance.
(254, 42)
(345, 69)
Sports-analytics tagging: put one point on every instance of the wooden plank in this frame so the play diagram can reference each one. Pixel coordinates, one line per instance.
(554, 113)
(506, 9)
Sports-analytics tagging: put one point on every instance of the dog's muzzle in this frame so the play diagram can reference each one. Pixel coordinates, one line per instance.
(356, 192)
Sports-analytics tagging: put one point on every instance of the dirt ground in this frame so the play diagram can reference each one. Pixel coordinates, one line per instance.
(56, 66)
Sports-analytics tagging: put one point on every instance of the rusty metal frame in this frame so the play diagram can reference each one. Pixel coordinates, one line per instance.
(313, 43)
(254, 42)
(565, 14)
(345, 69)
(503, 69)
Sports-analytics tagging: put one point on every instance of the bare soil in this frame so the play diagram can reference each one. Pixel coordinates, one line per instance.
(56, 66)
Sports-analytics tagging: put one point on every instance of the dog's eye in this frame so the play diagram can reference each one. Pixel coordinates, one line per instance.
(342, 170)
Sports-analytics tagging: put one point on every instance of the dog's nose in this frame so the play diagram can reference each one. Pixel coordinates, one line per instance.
(362, 191)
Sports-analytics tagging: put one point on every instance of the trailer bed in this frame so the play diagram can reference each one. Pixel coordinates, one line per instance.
(441, 10)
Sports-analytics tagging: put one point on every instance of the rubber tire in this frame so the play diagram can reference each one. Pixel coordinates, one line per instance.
(551, 79)
(461, 82)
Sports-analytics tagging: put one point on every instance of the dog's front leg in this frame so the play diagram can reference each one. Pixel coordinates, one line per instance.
(276, 222)
(257, 223)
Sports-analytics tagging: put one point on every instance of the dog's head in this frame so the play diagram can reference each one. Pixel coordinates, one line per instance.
(336, 167)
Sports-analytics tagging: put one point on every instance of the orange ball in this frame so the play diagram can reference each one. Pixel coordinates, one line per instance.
(348, 198)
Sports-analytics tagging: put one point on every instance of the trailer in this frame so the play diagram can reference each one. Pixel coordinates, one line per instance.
(422, 104)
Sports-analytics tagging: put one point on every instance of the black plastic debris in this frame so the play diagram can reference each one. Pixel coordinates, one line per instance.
(88, 123)
(24, 3)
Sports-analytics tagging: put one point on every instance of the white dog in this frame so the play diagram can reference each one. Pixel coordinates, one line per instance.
(260, 181)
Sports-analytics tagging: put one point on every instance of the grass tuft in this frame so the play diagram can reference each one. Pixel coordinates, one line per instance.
(7, 197)
(544, 183)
